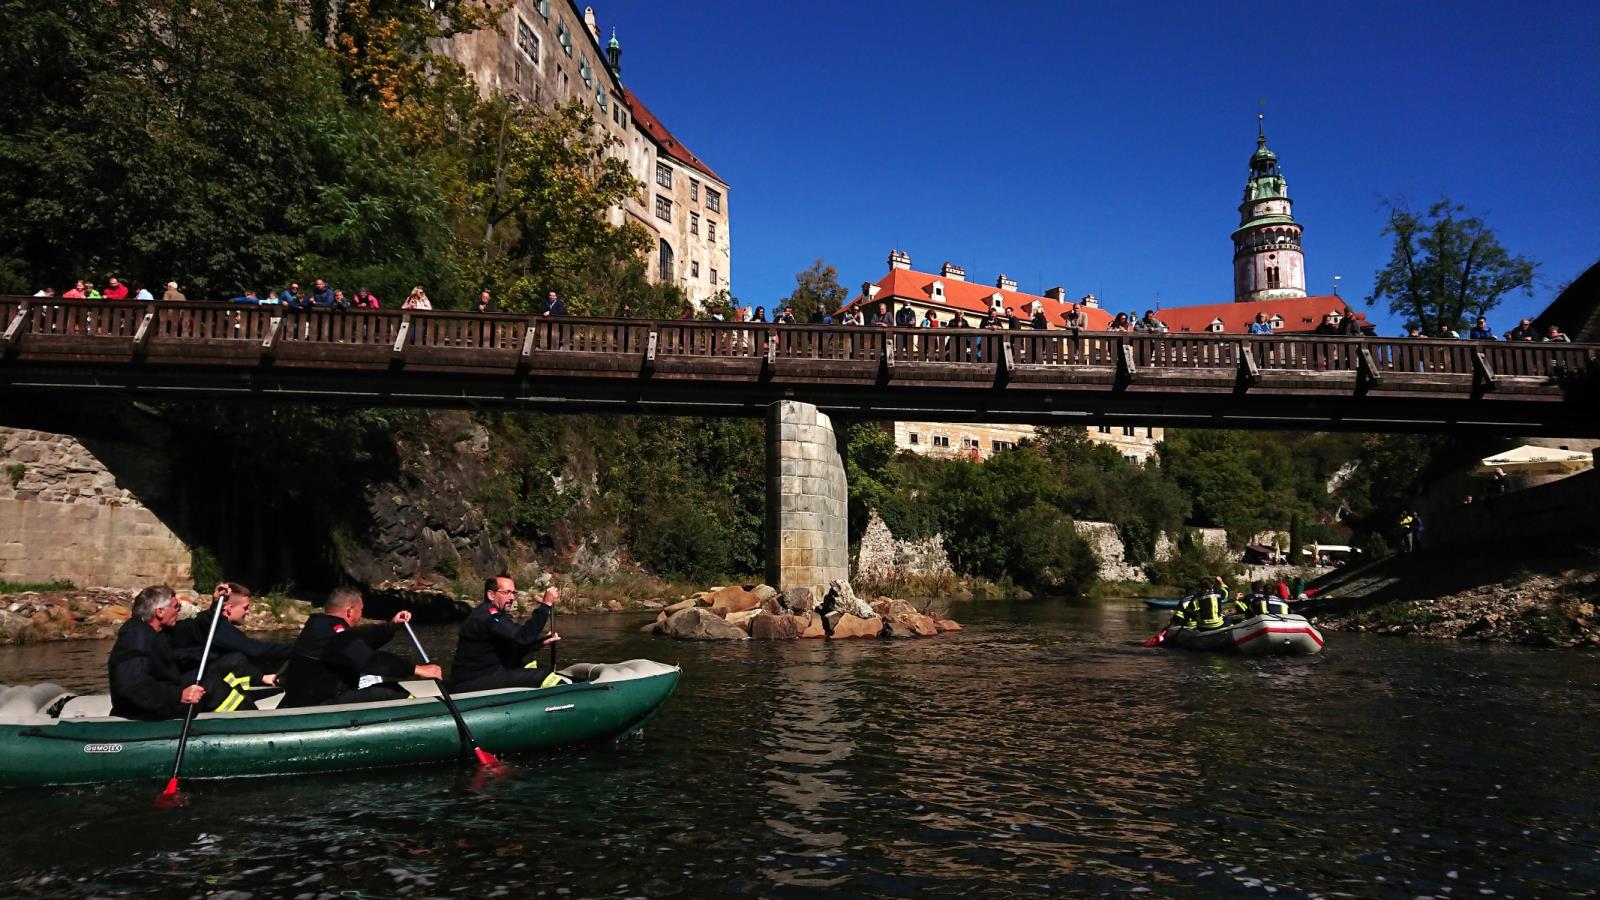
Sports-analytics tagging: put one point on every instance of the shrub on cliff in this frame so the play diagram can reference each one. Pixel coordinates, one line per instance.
(1045, 553)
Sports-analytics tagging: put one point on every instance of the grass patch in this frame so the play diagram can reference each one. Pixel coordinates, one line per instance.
(1398, 612)
(15, 471)
(24, 587)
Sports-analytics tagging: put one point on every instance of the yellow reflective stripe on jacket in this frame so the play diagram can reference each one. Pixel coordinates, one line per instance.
(239, 684)
(552, 680)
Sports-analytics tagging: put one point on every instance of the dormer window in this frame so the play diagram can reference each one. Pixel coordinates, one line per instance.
(938, 292)
(1215, 327)
(1335, 317)
(1277, 321)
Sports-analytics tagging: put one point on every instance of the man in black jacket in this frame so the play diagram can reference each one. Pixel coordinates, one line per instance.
(147, 680)
(189, 637)
(336, 662)
(494, 651)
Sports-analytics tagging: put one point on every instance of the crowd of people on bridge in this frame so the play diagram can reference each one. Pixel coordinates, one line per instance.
(155, 661)
(998, 317)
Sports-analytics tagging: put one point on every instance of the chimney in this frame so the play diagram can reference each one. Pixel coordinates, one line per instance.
(899, 259)
(1091, 301)
(1004, 283)
(588, 20)
(1058, 294)
(952, 271)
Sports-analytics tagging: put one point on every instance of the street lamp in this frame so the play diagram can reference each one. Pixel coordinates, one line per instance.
(1336, 284)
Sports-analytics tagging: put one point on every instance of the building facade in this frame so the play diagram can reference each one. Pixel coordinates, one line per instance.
(1268, 263)
(1136, 443)
(686, 212)
(547, 53)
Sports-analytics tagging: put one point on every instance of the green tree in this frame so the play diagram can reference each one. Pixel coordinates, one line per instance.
(1446, 264)
(816, 286)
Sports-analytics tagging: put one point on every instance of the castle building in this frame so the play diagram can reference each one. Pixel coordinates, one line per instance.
(1268, 263)
(547, 53)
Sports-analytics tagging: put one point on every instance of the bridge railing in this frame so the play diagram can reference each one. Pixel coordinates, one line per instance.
(469, 331)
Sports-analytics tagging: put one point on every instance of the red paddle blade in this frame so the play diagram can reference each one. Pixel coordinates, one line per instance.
(485, 758)
(170, 796)
(1156, 638)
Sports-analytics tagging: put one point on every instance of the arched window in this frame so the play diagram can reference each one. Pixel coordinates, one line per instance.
(1272, 277)
(666, 261)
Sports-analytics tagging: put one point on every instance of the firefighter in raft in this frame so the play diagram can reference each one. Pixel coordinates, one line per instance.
(494, 651)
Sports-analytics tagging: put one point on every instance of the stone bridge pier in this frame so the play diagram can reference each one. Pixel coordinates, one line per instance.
(808, 543)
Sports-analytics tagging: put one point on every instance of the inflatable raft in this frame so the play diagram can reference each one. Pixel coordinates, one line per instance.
(1286, 634)
(48, 737)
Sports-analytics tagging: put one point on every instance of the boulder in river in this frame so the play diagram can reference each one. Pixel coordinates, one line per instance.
(814, 627)
(778, 628)
(913, 624)
(853, 626)
(732, 600)
(681, 605)
(764, 591)
(701, 625)
(742, 618)
(799, 599)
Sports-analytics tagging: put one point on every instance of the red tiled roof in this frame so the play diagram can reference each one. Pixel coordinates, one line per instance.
(663, 138)
(1299, 314)
(917, 287)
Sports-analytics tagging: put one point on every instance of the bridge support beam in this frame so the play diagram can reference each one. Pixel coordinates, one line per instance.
(806, 516)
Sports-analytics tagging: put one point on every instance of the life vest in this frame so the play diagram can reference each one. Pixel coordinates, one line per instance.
(1207, 610)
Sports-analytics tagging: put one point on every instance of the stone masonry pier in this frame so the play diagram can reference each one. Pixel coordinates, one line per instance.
(807, 541)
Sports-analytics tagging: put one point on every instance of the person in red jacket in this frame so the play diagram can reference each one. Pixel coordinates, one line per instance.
(115, 289)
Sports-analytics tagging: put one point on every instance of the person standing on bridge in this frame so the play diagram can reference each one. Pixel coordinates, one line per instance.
(172, 293)
(1523, 332)
(321, 294)
(1553, 334)
(552, 305)
(366, 299)
(417, 299)
(1481, 331)
(1260, 325)
(115, 289)
(485, 303)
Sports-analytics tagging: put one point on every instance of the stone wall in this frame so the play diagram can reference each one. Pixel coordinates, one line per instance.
(806, 525)
(1111, 554)
(65, 517)
(882, 557)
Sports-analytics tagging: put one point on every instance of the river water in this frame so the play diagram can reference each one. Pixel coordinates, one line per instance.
(1042, 751)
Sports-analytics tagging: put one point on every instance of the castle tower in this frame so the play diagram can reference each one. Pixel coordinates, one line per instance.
(1267, 260)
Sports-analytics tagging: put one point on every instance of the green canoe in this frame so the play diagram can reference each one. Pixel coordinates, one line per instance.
(39, 749)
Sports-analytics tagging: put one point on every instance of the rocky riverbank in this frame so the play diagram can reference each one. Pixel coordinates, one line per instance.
(1547, 610)
(763, 613)
(96, 613)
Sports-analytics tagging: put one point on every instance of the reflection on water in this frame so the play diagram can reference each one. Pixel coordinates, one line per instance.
(1039, 751)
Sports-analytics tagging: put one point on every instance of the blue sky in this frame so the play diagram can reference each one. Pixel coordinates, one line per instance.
(1103, 146)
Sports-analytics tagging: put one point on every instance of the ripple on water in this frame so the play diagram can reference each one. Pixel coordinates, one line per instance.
(1039, 752)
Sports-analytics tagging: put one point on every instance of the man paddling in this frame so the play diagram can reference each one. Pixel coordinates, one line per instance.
(334, 661)
(189, 637)
(493, 650)
(147, 679)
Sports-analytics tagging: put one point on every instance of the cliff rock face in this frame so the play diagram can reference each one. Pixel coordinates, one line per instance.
(66, 515)
(425, 520)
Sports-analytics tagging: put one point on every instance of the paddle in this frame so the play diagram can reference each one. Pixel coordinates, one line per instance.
(553, 643)
(170, 794)
(467, 740)
(1156, 638)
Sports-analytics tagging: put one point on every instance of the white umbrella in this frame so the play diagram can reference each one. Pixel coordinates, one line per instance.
(1531, 460)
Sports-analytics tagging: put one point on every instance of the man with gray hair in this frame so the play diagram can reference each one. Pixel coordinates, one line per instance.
(148, 682)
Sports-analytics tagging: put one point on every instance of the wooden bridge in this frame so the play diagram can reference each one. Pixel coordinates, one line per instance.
(569, 364)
